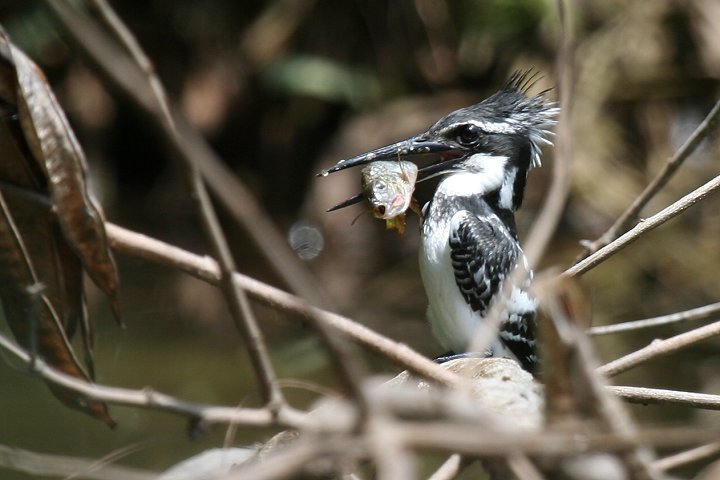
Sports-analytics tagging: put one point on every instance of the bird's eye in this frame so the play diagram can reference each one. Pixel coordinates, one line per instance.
(468, 135)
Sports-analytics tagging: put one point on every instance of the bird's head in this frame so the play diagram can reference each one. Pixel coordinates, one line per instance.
(500, 138)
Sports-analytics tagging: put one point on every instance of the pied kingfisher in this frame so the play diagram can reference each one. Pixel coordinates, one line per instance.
(469, 242)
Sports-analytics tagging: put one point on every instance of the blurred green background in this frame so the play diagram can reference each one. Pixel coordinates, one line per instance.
(282, 89)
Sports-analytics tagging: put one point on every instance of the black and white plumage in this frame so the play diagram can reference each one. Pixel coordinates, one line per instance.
(469, 243)
(466, 252)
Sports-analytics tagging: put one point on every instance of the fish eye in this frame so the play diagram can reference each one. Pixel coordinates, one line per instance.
(468, 135)
(380, 186)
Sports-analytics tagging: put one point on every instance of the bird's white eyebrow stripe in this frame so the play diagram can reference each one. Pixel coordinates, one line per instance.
(487, 127)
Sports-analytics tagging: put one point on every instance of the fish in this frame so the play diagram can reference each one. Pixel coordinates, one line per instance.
(388, 187)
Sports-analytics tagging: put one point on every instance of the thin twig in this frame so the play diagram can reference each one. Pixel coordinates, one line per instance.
(124, 37)
(468, 439)
(668, 397)
(686, 457)
(523, 468)
(43, 464)
(392, 459)
(643, 227)
(236, 297)
(700, 313)
(547, 220)
(112, 457)
(150, 399)
(449, 469)
(660, 348)
(630, 215)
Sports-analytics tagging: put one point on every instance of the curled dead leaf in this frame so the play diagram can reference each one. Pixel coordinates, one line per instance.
(50, 227)
(57, 151)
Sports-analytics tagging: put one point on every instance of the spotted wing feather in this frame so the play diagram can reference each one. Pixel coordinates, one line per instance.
(483, 253)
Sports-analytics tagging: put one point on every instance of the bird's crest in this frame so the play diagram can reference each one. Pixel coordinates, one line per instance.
(534, 114)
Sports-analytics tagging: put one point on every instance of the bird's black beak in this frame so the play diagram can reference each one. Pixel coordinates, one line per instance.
(350, 201)
(413, 146)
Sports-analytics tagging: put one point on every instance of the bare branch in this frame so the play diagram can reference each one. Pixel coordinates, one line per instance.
(449, 469)
(150, 399)
(631, 214)
(547, 220)
(523, 468)
(127, 40)
(700, 313)
(468, 439)
(205, 268)
(660, 348)
(393, 460)
(670, 397)
(643, 227)
(686, 457)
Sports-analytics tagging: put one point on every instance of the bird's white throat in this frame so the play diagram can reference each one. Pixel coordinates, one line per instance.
(481, 174)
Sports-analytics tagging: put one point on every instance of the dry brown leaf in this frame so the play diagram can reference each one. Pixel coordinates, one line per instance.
(49, 226)
(55, 148)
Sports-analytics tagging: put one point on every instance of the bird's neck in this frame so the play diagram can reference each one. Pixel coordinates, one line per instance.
(502, 188)
(497, 191)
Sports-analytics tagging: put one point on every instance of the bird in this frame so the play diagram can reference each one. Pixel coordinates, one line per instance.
(469, 243)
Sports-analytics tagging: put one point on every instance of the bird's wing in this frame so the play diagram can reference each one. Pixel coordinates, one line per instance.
(483, 253)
